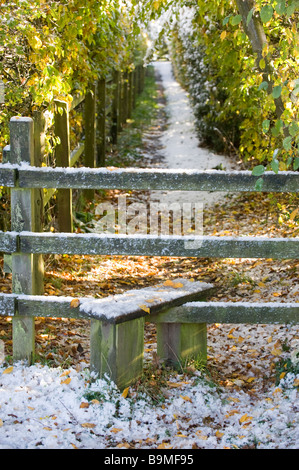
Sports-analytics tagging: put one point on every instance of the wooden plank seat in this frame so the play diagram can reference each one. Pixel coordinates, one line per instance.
(117, 322)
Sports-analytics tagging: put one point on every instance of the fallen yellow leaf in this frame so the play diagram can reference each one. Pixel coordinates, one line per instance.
(219, 434)
(66, 381)
(164, 445)
(186, 398)
(75, 303)
(115, 430)
(8, 370)
(1, 422)
(66, 372)
(84, 404)
(276, 352)
(145, 308)
(125, 392)
(88, 425)
(245, 418)
(95, 401)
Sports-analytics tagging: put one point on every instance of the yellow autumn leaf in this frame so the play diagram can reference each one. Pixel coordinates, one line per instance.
(66, 381)
(66, 372)
(115, 430)
(294, 213)
(47, 428)
(145, 308)
(30, 408)
(95, 401)
(219, 434)
(1, 422)
(125, 392)
(168, 283)
(84, 404)
(8, 370)
(125, 445)
(186, 398)
(276, 352)
(296, 383)
(223, 35)
(164, 445)
(231, 413)
(251, 379)
(282, 375)
(245, 418)
(75, 303)
(88, 425)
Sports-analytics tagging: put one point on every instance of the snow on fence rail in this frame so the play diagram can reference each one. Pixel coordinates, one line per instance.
(27, 245)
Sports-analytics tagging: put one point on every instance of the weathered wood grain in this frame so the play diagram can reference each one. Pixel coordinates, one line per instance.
(8, 242)
(231, 312)
(150, 245)
(156, 179)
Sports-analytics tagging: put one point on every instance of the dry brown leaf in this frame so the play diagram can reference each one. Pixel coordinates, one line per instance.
(84, 404)
(115, 430)
(88, 425)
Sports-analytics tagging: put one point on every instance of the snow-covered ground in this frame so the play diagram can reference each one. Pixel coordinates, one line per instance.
(50, 408)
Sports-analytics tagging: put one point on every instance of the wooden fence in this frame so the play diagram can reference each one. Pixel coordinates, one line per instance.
(25, 241)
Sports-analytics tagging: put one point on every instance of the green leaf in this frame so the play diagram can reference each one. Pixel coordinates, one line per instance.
(236, 20)
(293, 128)
(266, 13)
(280, 7)
(275, 165)
(259, 184)
(266, 125)
(264, 86)
(258, 170)
(226, 20)
(262, 64)
(276, 91)
(249, 16)
(287, 143)
(296, 163)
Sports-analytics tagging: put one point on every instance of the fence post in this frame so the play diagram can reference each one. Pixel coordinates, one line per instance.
(130, 95)
(22, 219)
(39, 153)
(125, 99)
(115, 109)
(120, 103)
(90, 134)
(63, 157)
(101, 147)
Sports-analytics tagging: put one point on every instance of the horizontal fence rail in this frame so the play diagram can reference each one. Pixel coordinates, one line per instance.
(149, 245)
(210, 312)
(146, 179)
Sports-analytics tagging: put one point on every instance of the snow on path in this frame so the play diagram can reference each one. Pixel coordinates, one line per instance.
(180, 142)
